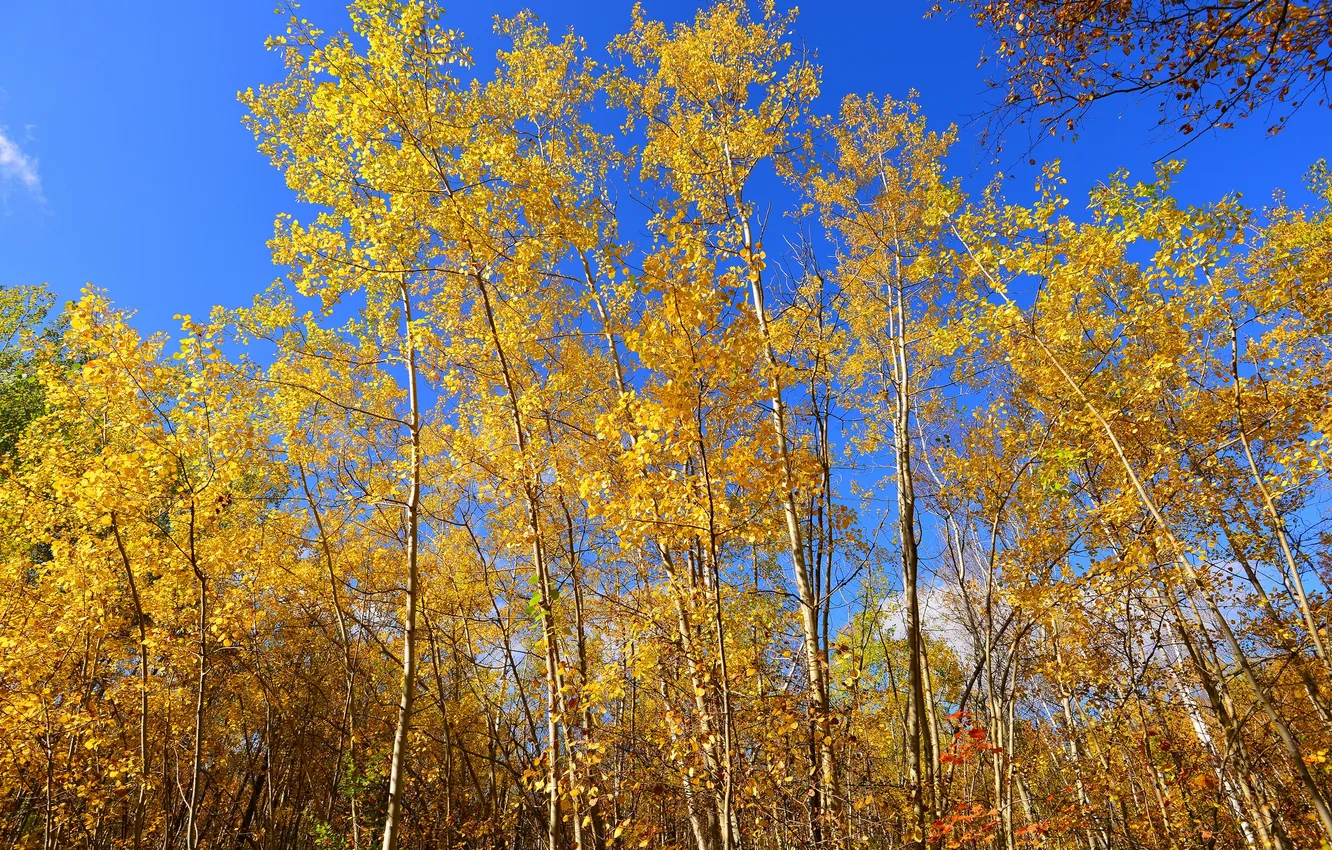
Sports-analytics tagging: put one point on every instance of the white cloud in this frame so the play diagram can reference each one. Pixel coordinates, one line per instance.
(941, 616)
(18, 167)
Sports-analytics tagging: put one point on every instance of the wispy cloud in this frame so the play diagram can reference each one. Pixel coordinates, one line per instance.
(17, 167)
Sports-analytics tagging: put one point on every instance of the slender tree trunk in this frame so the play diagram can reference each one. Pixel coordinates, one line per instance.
(809, 601)
(920, 711)
(727, 789)
(412, 508)
(1278, 524)
(346, 728)
(192, 820)
(1281, 631)
(1097, 839)
(696, 826)
(143, 686)
(1204, 735)
(546, 587)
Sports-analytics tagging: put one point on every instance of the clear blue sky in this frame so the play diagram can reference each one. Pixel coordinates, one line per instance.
(123, 161)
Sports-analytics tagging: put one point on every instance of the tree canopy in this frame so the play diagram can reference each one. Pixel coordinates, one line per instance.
(633, 456)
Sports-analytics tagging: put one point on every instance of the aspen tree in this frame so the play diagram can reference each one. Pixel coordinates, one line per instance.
(885, 200)
(706, 138)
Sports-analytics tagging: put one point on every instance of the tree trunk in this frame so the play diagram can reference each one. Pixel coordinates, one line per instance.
(398, 764)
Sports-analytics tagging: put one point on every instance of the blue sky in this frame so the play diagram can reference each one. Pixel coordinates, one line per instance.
(123, 161)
